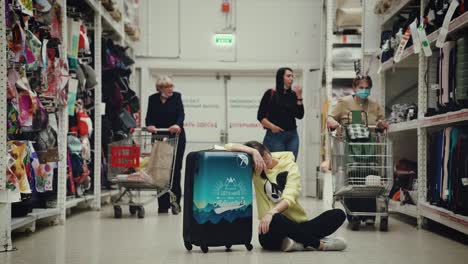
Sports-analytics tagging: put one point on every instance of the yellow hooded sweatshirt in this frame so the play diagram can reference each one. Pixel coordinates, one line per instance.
(283, 183)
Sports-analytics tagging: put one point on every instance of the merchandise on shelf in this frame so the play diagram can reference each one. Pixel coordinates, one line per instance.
(37, 75)
(448, 88)
(405, 184)
(394, 41)
(436, 11)
(402, 113)
(122, 104)
(81, 99)
(433, 84)
(447, 171)
(384, 6)
(344, 58)
(349, 14)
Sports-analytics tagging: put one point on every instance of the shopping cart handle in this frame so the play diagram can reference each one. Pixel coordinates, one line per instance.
(145, 129)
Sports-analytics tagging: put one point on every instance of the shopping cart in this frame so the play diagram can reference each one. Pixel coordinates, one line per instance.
(143, 162)
(362, 170)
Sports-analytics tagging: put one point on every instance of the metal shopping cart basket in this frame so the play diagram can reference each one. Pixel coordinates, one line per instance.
(362, 170)
(143, 162)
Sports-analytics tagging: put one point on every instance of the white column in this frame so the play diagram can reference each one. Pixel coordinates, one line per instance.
(97, 111)
(62, 134)
(422, 132)
(5, 206)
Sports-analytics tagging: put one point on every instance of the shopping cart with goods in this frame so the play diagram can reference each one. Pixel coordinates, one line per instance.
(142, 163)
(362, 169)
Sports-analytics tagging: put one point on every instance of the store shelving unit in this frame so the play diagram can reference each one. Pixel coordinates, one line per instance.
(343, 74)
(102, 21)
(404, 126)
(407, 209)
(394, 11)
(423, 210)
(443, 216)
(455, 25)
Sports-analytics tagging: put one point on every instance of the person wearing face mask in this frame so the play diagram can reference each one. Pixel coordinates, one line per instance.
(278, 111)
(284, 224)
(360, 101)
(166, 110)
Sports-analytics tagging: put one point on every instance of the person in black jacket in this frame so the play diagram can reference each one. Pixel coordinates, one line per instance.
(166, 110)
(278, 111)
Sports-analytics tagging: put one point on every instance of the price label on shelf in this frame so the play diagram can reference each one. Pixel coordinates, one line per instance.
(444, 29)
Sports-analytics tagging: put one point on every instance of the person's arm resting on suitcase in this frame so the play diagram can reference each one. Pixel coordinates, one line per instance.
(259, 163)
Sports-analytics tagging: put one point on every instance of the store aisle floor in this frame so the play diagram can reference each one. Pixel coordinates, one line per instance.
(96, 237)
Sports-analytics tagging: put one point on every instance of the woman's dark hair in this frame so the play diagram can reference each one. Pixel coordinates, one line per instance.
(280, 79)
(261, 149)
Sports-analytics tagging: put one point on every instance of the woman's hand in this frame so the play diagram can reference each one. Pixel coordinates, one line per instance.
(258, 162)
(152, 129)
(298, 90)
(332, 124)
(264, 225)
(381, 124)
(276, 129)
(175, 129)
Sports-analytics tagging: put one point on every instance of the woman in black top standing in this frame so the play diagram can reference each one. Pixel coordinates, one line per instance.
(166, 110)
(278, 111)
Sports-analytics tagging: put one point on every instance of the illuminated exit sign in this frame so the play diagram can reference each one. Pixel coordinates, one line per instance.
(224, 39)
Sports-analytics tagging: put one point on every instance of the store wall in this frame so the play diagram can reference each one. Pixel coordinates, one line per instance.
(177, 35)
(286, 31)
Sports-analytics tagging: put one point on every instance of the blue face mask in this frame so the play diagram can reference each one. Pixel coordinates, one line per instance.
(363, 93)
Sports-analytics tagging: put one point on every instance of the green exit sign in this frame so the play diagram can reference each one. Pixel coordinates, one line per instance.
(224, 39)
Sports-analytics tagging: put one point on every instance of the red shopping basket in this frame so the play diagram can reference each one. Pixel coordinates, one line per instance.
(125, 156)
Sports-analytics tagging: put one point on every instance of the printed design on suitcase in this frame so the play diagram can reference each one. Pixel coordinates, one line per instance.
(227, 195)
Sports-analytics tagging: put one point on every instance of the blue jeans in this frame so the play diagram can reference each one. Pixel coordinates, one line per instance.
(282, 141)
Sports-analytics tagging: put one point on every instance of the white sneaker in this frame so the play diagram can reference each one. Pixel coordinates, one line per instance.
(289, 245)
(334, 244)
(369, 221)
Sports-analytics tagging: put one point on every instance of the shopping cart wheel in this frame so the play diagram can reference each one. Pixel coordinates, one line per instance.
(384, 223)
(204, 249)
(187, 245)
(141, 212)
(228, 248)
(249, 247)
(355, 223)
(133, 209)
(117, 211)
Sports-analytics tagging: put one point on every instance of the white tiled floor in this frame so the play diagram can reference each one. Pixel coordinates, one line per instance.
(96, 237)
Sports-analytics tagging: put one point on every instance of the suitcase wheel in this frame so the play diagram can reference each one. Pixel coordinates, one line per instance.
(204, 249)
(249, 246)
(228, 248)
(133, 209)
(187, 245)
(117, 211)
(141, 212)
(384, 223)
(355, 223)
